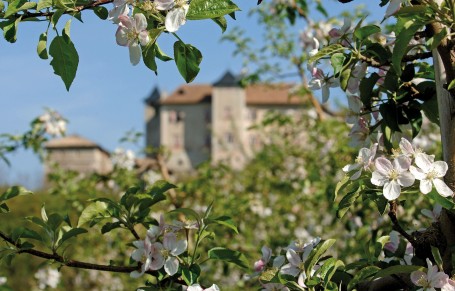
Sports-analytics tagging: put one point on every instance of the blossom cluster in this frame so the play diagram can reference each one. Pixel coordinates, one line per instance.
(123, 159)
(407, 165)
(296, 254)
(48, 277)
(52, 123)
(432, 279)
(132, 29)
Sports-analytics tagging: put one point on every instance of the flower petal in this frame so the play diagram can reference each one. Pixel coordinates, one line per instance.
(440, 167)
(423, 161)
(391, 190)
(406, 179)
(425, 186)
(175, 18)
(417, 276)
(293, 257)
(289, 269)
(417, 173)
(121, 36)
(378, 179)
(442, 188)
(135, 53)
(383, 166)
(140, 22)
(171, 266)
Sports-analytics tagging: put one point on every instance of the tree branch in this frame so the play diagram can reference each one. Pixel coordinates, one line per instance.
(46, 14)
(396, 225)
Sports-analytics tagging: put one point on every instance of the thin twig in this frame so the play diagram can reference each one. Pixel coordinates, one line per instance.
(396, 225)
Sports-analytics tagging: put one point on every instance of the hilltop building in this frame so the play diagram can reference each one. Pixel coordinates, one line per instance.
(78, 154)
(200, 122)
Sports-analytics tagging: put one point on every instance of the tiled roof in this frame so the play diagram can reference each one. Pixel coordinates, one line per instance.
(189, 94)
(72, 141)
(274, 94)
(258, 94)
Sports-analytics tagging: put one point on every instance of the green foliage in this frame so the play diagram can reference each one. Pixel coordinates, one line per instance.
(65, 59)
(206, 9)
(187, 58)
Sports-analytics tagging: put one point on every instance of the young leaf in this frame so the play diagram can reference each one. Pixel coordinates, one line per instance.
(401, 45)
(187, 59)
(365, 31)
(148, 55)
(396, 270)
(222, 23)
(101, 12)
(10, 29)
(363, 274)
(328, 50)
(94, 211)
(205, 9)
(65, 59)
(224, 220)
(316, 254)
(229, 256)
(161, 55)
(18, 5)
(13, 192)
(43, 4)
(347, 201)
(42, 46)
(72, 233)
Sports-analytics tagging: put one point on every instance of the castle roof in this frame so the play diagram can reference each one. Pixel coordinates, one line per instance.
(257, 94)
(73, 142)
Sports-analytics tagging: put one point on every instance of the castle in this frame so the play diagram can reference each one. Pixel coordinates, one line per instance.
(200, 122)
(196, 123)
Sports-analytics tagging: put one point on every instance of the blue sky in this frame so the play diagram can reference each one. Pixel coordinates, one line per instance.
(106, 98)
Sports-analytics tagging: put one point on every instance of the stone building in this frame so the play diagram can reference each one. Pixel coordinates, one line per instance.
(77, 153)
(200, 122)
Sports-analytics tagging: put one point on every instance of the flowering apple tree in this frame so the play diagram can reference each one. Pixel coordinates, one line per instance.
(396, 77)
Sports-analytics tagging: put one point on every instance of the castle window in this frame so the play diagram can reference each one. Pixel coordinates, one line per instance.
(229, 138)
(227, 112)
(172, 116)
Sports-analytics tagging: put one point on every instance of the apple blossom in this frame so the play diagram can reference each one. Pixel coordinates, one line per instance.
(392, 176)
(274, 287)
(176, 18)
(132, 30)
(3, 280)
(123, 159)
(364, 161)
(320, 81)
(260, 265)
(336, 33)
(54, 124)
(429, 172)
(48, 277)
(120, 8)
(430, 280)
(432, 214)
(164, 4)
(171, 248)
(197, 287)
(394, 6)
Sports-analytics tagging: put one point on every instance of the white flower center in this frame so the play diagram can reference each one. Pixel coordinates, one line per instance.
(165, 253)
(432, 174)
(393, 174)
(423, 282)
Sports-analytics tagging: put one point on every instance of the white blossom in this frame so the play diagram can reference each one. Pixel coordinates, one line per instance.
(430, 173)
(47, 277)
(123, 159)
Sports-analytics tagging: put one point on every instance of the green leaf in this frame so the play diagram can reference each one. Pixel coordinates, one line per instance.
(366, 88)
(430, 108)
(229, 256)
(4, 208)
(22, 232)
(316, 254)
(393, 270)
(187, 59)
(72, 233)
(437, 257)
(56, 16)
(148, 55)
(327, 51)
(341, 185)
(337, 61)
(13, 192)
(402, 41)
(66, 31)
(224, 220)
(188, 213)
(443, 201)
(10, 29)
(363, 274)
(344, 79)
(44, 214)
(451, 85)
(329, 268)
(43, 4)
(161, 55)
(101, 12)
(54, 221)
(436, 39)
(190, 275)
(65, 59)
(94, 211)
(42, 46)
(389, 113)
(347, 201)
(204, 9)
(110, 226)
(18, 5)
(379, 245)
(222, 23)
(365, 31)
